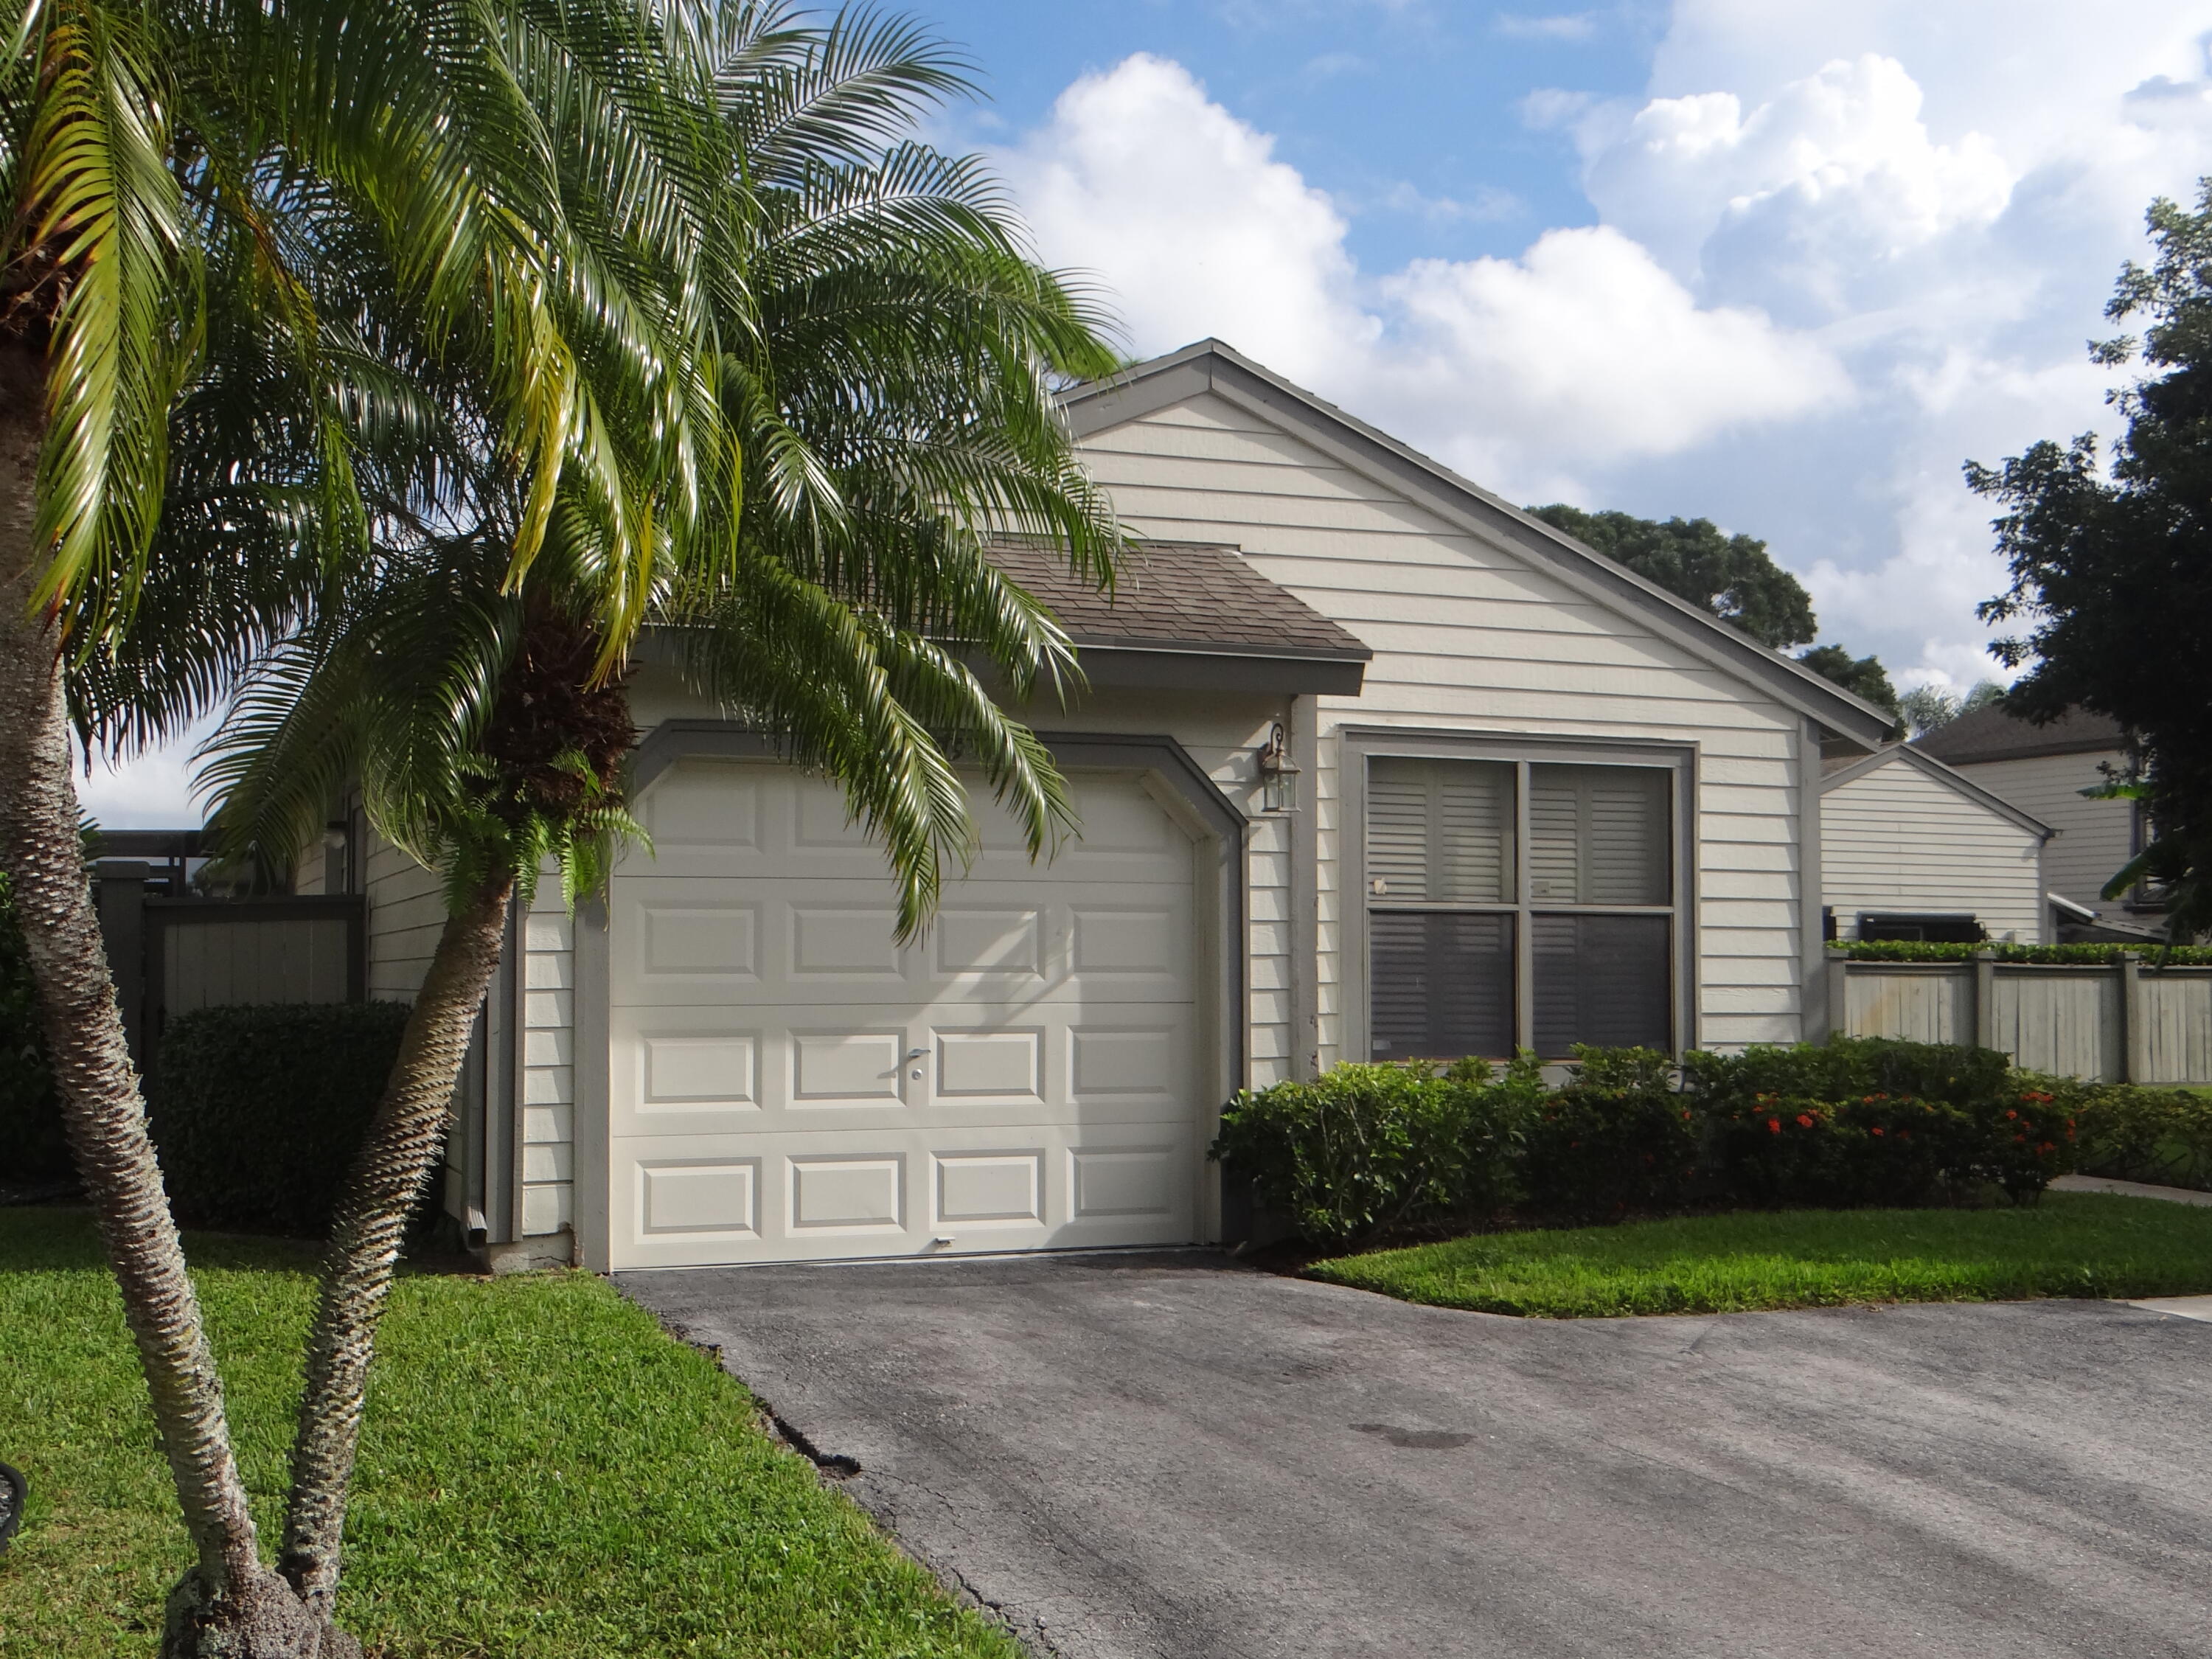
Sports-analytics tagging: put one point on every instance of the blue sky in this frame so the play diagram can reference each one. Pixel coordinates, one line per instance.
(1407, 113)
(1785, 263)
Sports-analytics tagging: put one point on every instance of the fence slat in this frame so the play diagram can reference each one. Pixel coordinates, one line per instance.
(2089, 1021)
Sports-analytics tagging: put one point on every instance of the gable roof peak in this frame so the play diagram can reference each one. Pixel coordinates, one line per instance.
(1213, 365)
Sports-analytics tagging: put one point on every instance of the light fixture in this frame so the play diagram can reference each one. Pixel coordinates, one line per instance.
(1278, 774)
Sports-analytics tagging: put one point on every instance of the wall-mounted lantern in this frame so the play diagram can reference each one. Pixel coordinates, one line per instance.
(1278, 774)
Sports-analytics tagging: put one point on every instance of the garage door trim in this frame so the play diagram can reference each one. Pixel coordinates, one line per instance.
(1179, 783)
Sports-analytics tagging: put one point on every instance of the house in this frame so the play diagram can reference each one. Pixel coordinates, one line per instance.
(2043, 769)
(1371, 764)
(1912, 849)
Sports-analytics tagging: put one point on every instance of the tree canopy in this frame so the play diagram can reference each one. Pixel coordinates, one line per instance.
(1732, 576)
(1925, 707)
(2112, 568)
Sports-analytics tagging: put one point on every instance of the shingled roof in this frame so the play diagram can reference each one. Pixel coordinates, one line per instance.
(1174, 603)
(1992, 734)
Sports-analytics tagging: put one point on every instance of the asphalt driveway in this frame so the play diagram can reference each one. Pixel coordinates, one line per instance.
(1173, 1456)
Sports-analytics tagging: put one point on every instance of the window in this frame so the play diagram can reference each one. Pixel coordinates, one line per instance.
(1518, 904)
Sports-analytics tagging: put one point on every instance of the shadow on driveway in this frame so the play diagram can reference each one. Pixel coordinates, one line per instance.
(1130, 1457)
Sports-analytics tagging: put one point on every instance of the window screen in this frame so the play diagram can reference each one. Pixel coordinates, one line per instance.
(1443, 984)
(1600, 980)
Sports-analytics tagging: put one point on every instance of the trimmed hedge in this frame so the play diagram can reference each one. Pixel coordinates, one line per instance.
(1367, 1150)
(2154, 954)
(1617, 1140)
(2133, 1131)
(258, 1111)
(32, 1145)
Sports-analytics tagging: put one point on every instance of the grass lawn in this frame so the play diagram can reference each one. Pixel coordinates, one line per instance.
(543, 1474)
(2080, 1245)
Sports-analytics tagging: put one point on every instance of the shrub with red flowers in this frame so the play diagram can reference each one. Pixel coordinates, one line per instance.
(1875, 1122)
(2136, 1133)
(1618, 1140)
(1876, 1149)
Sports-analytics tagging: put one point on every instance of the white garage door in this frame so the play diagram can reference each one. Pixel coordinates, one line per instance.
(786, 1083)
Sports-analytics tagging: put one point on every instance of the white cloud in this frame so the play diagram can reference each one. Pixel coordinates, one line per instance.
(1582, 350)
(1197, 228)
(1585, 345)
(1832, 181)
(1575, 26)
(151, 791)
(1488, 205)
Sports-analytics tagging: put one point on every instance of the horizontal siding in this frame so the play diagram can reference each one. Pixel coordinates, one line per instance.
(548, 1068)
(406, 912)
(1469, 635)
(1896, 838)
(2094, 838)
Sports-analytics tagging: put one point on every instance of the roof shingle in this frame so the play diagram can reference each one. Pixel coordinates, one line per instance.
(1989, 733)
(1180, 596)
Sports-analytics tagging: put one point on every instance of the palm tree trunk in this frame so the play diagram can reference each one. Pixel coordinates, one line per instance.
(396, 1159)
(228, 1590)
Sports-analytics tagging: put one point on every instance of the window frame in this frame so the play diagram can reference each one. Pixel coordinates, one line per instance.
(1361, 744)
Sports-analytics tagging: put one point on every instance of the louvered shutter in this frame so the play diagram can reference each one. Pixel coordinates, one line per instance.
(1598, 834)
(1439, 832)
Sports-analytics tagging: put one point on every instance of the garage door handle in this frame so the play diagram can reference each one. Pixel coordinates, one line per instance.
(917, 1053)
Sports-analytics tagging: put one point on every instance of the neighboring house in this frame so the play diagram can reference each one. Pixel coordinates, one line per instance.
(2043, 769)
(1371, 764)
(1912, 849)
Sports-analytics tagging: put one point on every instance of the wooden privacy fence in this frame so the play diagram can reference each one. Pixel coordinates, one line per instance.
(171, 955)
(2125, 1023)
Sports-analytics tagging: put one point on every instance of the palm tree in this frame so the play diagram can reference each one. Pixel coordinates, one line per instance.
(883, 356)
(162, 157)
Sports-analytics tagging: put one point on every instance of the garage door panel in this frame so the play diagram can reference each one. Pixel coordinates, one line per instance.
(1000, 1066)
(839, 1067)
(1003, 946)
(850, 944)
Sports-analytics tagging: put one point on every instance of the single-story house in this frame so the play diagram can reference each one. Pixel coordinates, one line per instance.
(1373, 765)
(1912, 849)
(2043, 769)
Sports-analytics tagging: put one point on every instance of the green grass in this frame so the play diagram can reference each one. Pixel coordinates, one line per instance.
(2073, 1244)
(543, 1474)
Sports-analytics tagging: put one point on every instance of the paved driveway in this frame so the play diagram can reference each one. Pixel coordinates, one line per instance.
(1173, 1456)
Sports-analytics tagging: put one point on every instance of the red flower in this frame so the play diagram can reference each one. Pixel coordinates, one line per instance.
(2012, 1113)
(1774, 1125)
(2047, 1146)
(1686, 1116)
(2020, 1137)
(1877, 1128)
(1804, 1119)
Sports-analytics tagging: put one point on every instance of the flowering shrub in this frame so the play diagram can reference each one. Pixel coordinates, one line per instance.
(1774, 1150)
(1876, 1121)
(1618, 1140)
